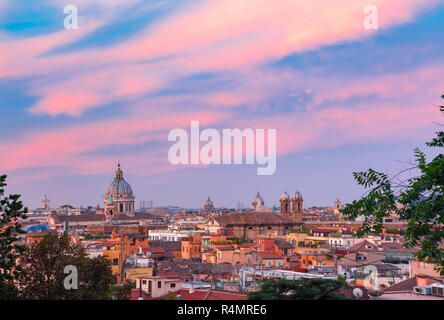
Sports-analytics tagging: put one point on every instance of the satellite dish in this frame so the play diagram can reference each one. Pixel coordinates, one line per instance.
(357, 293)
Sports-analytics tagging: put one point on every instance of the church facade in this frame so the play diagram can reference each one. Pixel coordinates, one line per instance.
(256, 222)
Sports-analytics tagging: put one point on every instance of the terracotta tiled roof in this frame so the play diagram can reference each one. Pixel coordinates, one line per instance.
(153, 250)
(269, 255)
(352, 261)
(397, 247)
(282, 244)
(361, 246)
(135, 294)
(405, 285)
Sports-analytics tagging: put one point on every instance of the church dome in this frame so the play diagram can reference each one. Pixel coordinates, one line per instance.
(297, 195)
(258, 200)
(285, 196)
(119, 186)
(208, 203)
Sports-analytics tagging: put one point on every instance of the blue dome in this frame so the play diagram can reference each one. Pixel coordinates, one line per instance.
(37, 228)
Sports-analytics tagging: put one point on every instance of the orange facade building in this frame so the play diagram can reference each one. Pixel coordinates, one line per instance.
(192, 247)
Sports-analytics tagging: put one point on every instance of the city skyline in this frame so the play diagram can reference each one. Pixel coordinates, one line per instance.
(341, 98)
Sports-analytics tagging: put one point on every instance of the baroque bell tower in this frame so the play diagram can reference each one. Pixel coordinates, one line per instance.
(298, 207)
(285, 205)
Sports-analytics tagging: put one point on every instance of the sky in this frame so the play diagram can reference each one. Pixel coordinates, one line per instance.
(342, 98)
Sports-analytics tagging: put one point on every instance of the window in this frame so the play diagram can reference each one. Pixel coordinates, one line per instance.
(144, 281)
(159, 284)
(120, 207)
(310, 262)
(173, 285)
(115, 262)
(250, 228)
(269, 228)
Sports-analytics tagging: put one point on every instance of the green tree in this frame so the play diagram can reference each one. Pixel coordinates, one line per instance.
(44, 275)
(96, 280)
(11, 210)
(122, 291)
(301, 289)
(418, 200)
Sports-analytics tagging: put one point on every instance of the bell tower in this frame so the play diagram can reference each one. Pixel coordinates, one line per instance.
(285, 205)
(46, 203)
(298, 207)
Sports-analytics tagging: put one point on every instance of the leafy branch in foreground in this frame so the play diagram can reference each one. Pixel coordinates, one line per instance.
(11, 210)
(418, 200)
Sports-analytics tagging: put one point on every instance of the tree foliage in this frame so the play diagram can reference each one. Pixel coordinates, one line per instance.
(301, 289)
(418, 200)
(11, 210)
(123, 291)
(43, 275)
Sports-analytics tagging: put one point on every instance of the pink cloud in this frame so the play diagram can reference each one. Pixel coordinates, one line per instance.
(67, 146)
(203, 36)
(230, 35)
